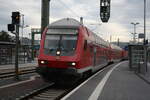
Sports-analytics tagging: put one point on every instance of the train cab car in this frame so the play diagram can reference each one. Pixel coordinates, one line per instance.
(60, 49)
(69, 49)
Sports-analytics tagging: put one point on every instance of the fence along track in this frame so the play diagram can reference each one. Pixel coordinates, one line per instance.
(8, 70)
(12, 73)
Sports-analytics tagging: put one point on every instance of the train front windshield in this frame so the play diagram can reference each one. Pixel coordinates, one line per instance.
(62, 40)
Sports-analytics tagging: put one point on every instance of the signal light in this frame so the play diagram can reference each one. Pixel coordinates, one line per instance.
(15, 17)
(11, 27)
(105, 10)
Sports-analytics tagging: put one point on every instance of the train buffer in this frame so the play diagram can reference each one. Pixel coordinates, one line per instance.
(116, 82)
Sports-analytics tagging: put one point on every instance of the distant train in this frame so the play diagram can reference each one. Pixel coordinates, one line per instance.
(70, 50)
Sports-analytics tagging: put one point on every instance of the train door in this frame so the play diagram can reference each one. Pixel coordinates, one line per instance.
(94, 57)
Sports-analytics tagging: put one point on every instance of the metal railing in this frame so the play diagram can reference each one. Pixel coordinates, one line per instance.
(7, 54)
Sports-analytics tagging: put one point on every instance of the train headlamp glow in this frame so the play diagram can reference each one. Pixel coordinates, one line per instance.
(58, 52)
(42, 62)
(73, 63)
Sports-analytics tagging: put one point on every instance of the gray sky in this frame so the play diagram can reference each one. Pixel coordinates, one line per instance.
(123, 12)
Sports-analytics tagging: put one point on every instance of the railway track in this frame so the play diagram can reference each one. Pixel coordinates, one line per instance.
(53, 91)
(12, 73)
(50, 92)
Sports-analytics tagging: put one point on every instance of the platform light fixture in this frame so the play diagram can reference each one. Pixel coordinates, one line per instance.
(144, 21)
(134, 30)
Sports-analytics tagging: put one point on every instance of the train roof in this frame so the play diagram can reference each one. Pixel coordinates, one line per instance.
(72, 23)
(65, 23)
(113, 46)
(100, 41)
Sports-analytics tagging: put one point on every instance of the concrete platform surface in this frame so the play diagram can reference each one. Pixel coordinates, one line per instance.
(116, 83)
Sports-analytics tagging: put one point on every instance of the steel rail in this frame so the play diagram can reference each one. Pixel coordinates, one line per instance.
(49, 92)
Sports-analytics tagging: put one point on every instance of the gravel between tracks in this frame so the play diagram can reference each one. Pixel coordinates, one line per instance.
(10, 93)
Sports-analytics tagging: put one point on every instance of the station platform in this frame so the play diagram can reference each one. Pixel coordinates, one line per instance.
(116, 82)
(25, 66)
(8, 66)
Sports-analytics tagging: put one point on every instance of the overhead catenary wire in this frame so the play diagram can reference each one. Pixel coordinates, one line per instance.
(72, 11)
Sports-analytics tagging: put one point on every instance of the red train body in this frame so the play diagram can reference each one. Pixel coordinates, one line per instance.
(68, 48)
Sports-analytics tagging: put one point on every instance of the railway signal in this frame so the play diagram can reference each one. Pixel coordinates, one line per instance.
(15, 17)
(11, 27)
(105, 10)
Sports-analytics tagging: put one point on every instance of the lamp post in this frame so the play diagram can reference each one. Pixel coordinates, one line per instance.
(22, 27)
(22, 24)
(134, 30)
(144, 20)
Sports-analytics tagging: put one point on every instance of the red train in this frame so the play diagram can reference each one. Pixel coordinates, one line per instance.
(70, 50)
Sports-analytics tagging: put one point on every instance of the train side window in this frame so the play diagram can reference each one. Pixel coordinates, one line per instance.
(85, 44)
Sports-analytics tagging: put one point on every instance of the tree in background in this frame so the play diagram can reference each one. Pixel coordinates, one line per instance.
(4, 36)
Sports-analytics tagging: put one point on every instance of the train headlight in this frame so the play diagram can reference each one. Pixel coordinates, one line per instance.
(42, 62)
(73, 63)
(58, 52)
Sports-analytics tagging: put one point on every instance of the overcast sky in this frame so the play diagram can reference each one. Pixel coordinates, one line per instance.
(123, 12)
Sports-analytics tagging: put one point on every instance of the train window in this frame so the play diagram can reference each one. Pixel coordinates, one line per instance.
(64, 43)
(62, 31)
(51, 44)
(68, 44)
